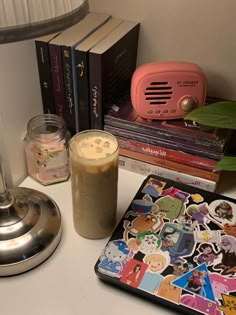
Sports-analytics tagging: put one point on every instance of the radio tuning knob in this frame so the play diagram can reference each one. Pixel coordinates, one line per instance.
(188, 103)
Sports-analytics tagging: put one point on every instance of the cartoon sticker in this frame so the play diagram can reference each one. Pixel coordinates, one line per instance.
(152, 277)
(229, 307)
(115, 253)
(171, 207)
(221, 285)
(200, 304)
(177, 241)
(212, 236)
(207, 254)
(142, 223)
(223, 211)
(153, 187)
(228, 255)
(197, 282)
(145, 242)
(178, 247)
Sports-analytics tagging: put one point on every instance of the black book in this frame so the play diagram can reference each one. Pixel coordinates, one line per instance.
(65, 44)
(45, 75)
(111, 65)
(82, 70)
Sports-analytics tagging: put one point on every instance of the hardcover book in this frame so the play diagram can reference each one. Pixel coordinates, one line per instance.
(64, 45)
(175, 245)
(44, 69)
(121, 114)
(112, 62)
(82, 70)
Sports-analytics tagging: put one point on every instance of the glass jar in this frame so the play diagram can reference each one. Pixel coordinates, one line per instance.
(46, 149)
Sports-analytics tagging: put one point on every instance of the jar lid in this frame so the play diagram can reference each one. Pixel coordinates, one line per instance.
(30, 230)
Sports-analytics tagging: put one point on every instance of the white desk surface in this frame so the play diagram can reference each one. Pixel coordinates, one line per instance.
(66, 283)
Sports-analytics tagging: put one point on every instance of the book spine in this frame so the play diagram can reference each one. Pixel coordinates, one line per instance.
(95, 91)
(164, 153)
(170, 165)
(136, 136)
(82, 87)
(146, 169)
(45, 78)
(57, 78)
(70, 116)
(212, 144)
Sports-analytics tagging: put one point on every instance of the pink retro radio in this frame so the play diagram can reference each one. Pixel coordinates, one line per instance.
(167, 90)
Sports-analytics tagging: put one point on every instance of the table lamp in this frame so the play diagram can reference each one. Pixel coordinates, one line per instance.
(30, 221)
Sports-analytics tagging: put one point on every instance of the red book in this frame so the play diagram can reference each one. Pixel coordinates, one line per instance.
(171, 165)
(168, 154)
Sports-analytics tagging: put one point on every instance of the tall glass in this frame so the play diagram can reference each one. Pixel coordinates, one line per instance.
(94, 177)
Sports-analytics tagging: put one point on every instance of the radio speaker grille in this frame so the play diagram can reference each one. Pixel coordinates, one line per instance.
(158, 93)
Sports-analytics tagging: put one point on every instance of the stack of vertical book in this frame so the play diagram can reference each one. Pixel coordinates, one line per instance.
(176, 149)
(86, 67)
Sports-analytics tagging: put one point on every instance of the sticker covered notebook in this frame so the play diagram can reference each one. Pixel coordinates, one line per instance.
(176, 245)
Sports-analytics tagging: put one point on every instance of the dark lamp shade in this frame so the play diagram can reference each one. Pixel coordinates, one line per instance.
(22, 20)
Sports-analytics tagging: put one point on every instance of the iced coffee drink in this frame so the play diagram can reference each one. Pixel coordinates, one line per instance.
(94, 176)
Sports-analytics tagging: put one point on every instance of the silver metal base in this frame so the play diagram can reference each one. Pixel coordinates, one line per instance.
(30, 230)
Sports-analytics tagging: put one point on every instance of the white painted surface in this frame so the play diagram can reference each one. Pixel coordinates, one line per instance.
(66, 283)
(200, 31)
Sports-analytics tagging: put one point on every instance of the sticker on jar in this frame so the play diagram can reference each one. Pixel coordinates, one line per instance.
(52, 165)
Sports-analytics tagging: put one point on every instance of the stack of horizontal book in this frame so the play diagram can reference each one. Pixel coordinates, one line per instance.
(85, 67)
(176, 149)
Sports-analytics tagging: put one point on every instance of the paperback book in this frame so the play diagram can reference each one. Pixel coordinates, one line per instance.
(146, 169)
(165, 143)
(82, 70)
(167, 154)
(44, 69)
(62, 50)
(111, 64)
(173, 165)
(121, 114)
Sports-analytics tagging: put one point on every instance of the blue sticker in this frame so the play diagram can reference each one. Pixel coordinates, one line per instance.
(196, 282)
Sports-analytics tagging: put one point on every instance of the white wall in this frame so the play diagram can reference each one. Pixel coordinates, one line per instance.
(20, 100)
(200, 31)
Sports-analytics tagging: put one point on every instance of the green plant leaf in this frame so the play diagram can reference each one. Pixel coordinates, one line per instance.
(220, 115)
(228, 163)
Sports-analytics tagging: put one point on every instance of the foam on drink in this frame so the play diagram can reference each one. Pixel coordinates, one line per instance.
(96, 147)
